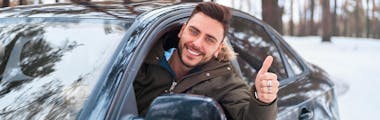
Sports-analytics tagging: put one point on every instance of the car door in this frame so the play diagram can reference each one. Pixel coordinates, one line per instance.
(148, 31)
(314, 87)
(253, 41)
(49, 68)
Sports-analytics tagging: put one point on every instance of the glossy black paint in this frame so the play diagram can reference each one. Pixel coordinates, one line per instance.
(308, 94)
(184, 107)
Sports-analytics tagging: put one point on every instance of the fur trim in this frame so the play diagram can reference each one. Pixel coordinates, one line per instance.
(227, 53)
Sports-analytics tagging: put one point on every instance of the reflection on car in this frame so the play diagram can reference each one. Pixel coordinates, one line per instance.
(79, 60)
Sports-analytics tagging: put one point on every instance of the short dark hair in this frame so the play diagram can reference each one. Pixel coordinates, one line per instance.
(218, 12)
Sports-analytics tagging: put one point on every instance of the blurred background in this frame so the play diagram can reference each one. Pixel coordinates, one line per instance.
(341, 36)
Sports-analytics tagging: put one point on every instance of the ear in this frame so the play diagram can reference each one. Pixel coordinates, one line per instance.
(218, 50)
(182, 29)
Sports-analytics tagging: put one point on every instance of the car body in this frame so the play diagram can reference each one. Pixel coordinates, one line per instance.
(79, 60)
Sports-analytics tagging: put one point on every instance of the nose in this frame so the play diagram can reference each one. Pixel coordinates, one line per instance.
(198, 41)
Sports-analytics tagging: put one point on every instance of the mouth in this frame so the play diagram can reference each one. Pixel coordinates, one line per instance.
(193, 52)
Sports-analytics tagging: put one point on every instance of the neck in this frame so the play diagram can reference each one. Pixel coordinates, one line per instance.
(178, 67)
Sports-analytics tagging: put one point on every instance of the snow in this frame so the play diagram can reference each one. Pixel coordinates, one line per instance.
(354, 64)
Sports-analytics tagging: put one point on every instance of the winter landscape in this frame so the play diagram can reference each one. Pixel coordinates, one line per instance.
(354, 64)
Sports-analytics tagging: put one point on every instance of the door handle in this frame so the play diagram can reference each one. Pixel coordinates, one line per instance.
(306, 114)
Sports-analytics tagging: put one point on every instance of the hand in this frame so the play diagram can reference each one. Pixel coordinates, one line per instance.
(266, 83)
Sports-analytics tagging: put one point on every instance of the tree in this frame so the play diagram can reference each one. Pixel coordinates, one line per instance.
(326, 21)
(375, 29)
(311, 27)
(358, 14)
(5, 3)
(191, 0)
(291, 23)
(303, 20)
(368, 24)
(22, 2)
(335, 30)
(272, 14)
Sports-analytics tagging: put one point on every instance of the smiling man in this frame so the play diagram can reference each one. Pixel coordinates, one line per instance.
(200, 64)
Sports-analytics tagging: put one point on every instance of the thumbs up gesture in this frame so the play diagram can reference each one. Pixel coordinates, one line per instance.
(266, 83)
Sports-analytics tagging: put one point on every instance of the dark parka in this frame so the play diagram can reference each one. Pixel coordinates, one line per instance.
(214, 79)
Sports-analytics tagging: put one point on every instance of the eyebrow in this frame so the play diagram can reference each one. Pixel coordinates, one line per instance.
(208, 35)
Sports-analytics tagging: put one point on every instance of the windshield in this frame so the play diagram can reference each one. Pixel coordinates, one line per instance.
(48, 67)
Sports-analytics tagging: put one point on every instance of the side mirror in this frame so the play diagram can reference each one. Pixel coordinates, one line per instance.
(184, 107)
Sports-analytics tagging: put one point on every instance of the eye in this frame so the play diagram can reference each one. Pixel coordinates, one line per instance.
(210, 39)
(193, 32)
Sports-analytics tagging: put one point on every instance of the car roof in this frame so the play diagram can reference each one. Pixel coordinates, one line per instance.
(97, 10)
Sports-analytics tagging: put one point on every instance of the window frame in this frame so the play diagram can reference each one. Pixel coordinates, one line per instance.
(237, 13)
(306, 70)
(91, 100)
(151, 31)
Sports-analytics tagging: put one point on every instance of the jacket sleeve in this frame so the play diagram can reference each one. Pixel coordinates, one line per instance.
(239, 103)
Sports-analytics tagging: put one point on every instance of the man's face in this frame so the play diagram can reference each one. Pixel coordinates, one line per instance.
(200, 39)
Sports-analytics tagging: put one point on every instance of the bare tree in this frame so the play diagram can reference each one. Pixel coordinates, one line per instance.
(191, 0)
(326, 21)
(272, 14)
(358, 13)
(5, 3)
(375, 30)
(302, 22)
(345, 19)
(335, 30)
(22, 2)
(311, 24)
(291, 23)
(368, 24)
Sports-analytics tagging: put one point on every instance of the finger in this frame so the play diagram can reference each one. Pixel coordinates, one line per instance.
(265, 83)
(269, 76)
(267, 98)
(266, 65)
(268, 90)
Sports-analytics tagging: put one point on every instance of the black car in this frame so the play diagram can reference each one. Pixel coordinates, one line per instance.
(79, 60)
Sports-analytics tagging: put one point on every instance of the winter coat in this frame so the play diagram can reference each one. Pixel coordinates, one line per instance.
(214, 79)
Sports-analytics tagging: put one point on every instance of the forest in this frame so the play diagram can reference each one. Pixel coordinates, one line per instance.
(325, 18)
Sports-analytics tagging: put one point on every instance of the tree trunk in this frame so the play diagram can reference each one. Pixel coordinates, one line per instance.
(368, 24)
(335, 30)
(5, 3)
(375, 29)
(358, 27)
(291, 24)
(272, 14)
(326, 21)
(22, 2)
(302, 21)
(311, 27)
(191, 0)
(344, 17)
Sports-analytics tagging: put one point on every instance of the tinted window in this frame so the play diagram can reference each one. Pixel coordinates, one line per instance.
(253, 45)
(48, 69)
(294, 64)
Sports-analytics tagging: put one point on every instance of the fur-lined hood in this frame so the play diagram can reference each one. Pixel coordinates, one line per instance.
(227, 53)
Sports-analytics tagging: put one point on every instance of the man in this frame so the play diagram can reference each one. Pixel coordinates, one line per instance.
(200, 64)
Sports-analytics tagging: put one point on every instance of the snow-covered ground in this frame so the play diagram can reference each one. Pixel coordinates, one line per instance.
(354, 63)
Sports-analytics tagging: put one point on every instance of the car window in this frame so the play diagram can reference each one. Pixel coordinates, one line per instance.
(253, 45)
(294, 64)
(49, 67)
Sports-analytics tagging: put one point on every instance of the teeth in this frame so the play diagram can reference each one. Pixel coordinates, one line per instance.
(193, 52)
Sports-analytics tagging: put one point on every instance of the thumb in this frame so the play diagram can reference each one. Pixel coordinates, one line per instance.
(266, 65)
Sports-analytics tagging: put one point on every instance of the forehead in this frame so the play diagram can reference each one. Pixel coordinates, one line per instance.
(207, 25)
